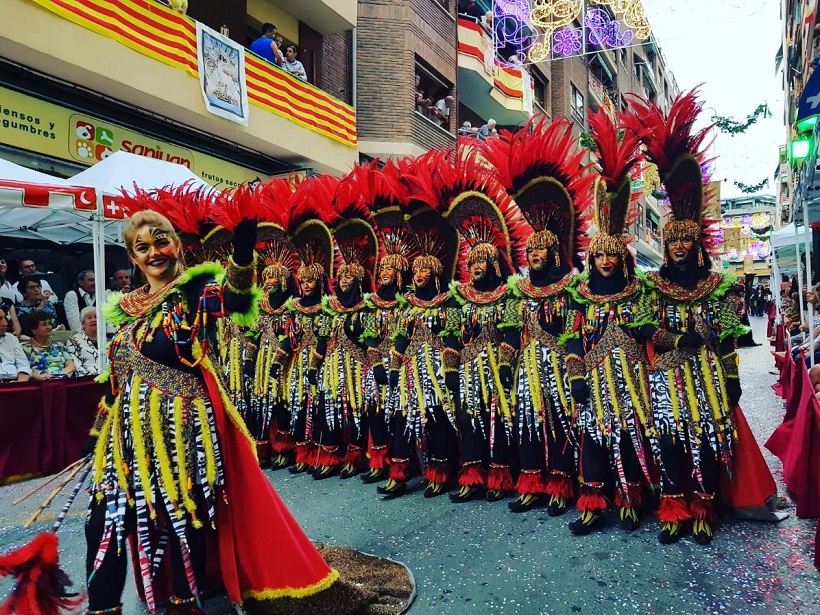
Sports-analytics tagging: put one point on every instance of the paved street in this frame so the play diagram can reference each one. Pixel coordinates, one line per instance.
(479, 558)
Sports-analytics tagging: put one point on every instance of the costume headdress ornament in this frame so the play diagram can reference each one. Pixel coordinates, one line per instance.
(227, 209)
(356, 241)
(617, 155)
(277, 255)
(679, 153)
(435, 240)
(543, 170)
(477, 206)
(382, 192)
(311, 212)
(187, 207)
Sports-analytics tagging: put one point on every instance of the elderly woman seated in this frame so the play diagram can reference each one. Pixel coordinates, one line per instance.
(82, 346)
(48, 359)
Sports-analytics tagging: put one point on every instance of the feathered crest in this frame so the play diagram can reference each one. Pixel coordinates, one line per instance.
(617, 155)
(678, 150)
(357, 243)
(277, 254)
(311, 212)
(462, 188)
(544, 172)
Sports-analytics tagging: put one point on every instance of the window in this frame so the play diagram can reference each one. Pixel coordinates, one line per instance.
(577, 105)
(622, 56)
(540, 87)
(433, 96)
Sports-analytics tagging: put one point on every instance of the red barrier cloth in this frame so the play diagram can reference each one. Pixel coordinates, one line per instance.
(780, 339)
(751, 482)
(43, 425)
(797, 444)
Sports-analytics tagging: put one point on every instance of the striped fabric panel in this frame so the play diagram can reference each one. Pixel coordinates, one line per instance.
(160, 33)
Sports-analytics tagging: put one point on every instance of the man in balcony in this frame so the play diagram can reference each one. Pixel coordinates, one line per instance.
(292, 65)
(266, 47)
(487, 130)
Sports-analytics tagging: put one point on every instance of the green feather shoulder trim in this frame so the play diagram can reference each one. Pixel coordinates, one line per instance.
(512, 284)
(729, 280)
(112, 310)
(249, 317)
(457, 295)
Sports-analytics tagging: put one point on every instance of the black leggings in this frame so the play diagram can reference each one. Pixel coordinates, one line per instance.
(675, 460)
(106, 587)
(595, 466)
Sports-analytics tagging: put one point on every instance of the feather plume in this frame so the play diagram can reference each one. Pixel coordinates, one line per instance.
(186, 206)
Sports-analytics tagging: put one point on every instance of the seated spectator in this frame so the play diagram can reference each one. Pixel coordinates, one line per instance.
(35, 299)
(265, 46)
(122, 281)
(14, 365)
(82, 346)
(75, 300)
(6, 289)
(292, 65)
(48, 359)
(28, 268)
(486, 130)
(487, 22)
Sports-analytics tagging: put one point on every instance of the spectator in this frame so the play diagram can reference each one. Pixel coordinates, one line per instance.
(422, 102)
(82, 346)
(28, 268)
(6, 289)
(35, 299)
(122, 281)
(292, 65)
(785, 284)
(471, 8)
(487, 22)
(265, 46)
(277, 49)
(486, 130)
(14, 365)
(441, 110)
(75, 300)
(466, 129)
(48, 359)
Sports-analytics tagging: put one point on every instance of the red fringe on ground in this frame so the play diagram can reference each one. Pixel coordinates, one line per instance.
(354, 455)
(399, 470)
(305, 453)
(40, 585)
(560, 487)
(701, 509)
(500, 479)
(281, 441)
(327, 457)
(634, 500)
(263, 451)
(590, 499)
(378, 458)
(673, 510)
(471, 476)
(530, 482)
(436, 472)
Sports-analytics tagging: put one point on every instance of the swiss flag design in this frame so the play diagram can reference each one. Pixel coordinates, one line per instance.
(112, 210)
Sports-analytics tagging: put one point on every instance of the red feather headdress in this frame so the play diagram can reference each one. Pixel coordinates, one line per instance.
(312, 212)
(617, 155)
(277, 254)
(544, 172)
(357, 244)
(462, 187)
(679, 152)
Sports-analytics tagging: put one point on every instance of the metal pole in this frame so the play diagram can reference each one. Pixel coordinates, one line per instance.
(799, 273)
(98, 240)
(810, 321)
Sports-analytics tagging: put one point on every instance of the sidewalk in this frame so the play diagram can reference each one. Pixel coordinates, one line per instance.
(479, 558)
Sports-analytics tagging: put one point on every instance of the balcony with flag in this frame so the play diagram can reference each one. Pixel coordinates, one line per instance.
(486, 87)
(146, 56)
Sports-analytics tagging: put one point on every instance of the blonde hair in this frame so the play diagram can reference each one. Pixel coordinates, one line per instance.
(147, 218)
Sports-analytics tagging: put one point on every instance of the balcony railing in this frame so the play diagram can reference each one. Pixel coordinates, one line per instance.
(156, 31)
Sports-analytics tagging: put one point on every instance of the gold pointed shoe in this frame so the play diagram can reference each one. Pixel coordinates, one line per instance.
(349, 471)
(467, 493)
(298, 468)
(392, 489)
(434, 489)
(670, 533)
(324, 472)
(281, 461)
(628, 518)
(587, 522)
(702, 532)
(374, 476)
(557, 506)
(525, 502)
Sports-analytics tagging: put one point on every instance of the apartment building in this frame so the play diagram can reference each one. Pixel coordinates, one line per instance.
(81, 78)
(747, 225)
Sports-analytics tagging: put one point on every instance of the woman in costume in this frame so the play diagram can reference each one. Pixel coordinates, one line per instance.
(543, 171)
(424, 359)
(382, 192)
(340, 431)
(694, 377)
(173, 459)
(606, 362)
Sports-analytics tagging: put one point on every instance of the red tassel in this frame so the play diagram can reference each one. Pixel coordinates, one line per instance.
(500, 479)
(305, 453)
(702, 509)
(354, 455)
(327, 457)
(281, 441)
(378, 458)
(40, 586)
(530, 482)
(634, 500)
(559, 486)
(436, 472)
(471, 476)
(590, 499)
(673, 510)
(399, 470)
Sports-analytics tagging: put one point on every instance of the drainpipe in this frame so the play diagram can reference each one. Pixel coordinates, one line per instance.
(354, 69)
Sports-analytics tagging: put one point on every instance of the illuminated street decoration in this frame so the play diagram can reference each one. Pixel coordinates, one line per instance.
(530, 31)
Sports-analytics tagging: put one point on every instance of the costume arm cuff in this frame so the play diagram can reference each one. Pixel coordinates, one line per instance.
(374, 355)
(506, 354)
(665, 339)
(315, 359)
(576, 369)
(450, 358)
(730, 365)
(239, 278)
(396, 360)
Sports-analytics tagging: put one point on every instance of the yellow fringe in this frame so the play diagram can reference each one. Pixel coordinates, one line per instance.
(184, 485)
(613, 395)
(482, 380)
(230, 409)
(403, 389)
(139, 441)
(350, 383)
(293, 592)
(596, 395)
(445, 399)
(419, 392)
(122, 478)
(102, 442)
(633, 393)
(691, 395)
(644, 388)
(708, 383)
(502, 398)
(559, 381)
(160, 450)
(673, 396)
(210, 459)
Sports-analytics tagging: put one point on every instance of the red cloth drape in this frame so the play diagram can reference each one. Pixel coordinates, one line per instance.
(43, 425)
(751, 482)
(797, 444)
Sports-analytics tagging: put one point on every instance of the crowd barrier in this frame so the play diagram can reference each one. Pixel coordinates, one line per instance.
(796, 442)
(44, 425)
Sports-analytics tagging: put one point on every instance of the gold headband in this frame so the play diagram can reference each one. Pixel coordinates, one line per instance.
(687, 230)
(428, 262)
(275, 271)
(609, 244)
(487, 251)
(541, 240)
(310, 273)
(354, 270)
(397, 261)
